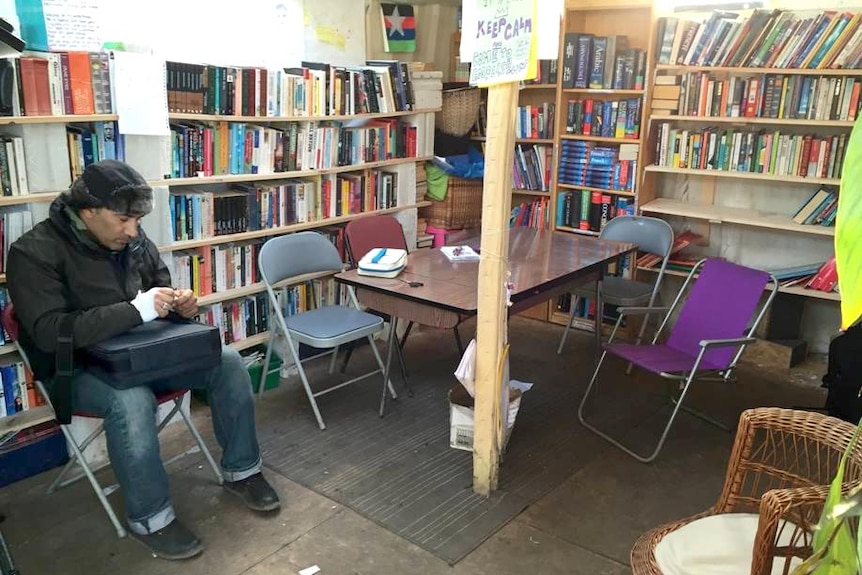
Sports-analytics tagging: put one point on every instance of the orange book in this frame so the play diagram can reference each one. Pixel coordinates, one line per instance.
(81, 83)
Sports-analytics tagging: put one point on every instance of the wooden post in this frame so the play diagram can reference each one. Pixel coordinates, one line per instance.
(492, 325)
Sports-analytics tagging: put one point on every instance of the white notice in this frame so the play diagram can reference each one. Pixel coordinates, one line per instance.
(504, 38)
(72, 25)
(140, 96)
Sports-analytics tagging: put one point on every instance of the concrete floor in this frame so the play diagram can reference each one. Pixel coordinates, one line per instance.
(587, 525)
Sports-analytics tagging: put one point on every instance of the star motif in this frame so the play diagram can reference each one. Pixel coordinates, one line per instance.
(396, 22)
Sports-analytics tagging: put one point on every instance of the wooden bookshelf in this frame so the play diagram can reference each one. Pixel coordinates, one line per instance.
(25, 419)
(250, 341)
(547, 141)
(269, 232)
(176, 116)
(234, 178)
(740, 216)
(600, 92)
(794, 290)
(252, 289)
(753, 121)
(65, 119)
(588, 138)
(537, 193)
(7, 349)
(742, 70)
(32, 198)
(743, 175)
(602, 190)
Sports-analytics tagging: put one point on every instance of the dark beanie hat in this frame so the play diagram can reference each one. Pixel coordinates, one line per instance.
(116, 186)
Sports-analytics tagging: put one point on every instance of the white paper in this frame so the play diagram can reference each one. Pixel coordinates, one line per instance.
(72, 25)
(460, 253)
(503, 35)
(141, 97)
(521, 386)
(310, 570)
(548, 16)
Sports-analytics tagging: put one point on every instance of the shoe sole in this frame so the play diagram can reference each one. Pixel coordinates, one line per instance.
(193, 552)
(271, 507)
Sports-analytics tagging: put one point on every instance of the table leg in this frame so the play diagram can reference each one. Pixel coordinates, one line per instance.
(393, 341)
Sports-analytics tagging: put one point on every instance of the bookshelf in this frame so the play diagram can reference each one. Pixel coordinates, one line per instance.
(601, 119)
(239, 168)
(751, 115)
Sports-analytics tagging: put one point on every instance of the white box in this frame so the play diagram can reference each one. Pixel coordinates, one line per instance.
(461, 424)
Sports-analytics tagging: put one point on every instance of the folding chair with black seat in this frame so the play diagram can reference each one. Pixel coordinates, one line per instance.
(10, 324)
(651, 235)
(328, 327)
(715, 323)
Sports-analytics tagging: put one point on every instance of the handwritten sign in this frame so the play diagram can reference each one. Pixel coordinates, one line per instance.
(504, 41)
(72, 24)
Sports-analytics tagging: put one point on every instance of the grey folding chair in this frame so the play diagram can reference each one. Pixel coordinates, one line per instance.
(652, 235)
(328, 327)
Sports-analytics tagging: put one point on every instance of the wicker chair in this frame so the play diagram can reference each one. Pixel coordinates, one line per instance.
(780, 468)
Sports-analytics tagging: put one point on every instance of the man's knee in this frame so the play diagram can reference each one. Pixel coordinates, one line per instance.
(133, 411)
(234, 375)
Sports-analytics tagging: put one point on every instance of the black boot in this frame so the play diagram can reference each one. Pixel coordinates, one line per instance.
(255, 492)
(174, 541)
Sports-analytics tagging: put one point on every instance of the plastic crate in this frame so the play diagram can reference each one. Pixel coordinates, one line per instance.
(273, 377)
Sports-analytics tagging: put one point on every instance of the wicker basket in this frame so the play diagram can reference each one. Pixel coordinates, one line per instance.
(459, 112)
(461, 209)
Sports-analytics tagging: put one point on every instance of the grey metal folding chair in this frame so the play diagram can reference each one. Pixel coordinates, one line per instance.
(328, 327)
(652, 235)
(10, 323)
(717, 320)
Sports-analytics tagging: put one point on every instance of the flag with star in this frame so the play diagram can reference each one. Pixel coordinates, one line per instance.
(399, 27)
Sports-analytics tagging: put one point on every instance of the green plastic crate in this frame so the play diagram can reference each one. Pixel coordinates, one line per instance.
(271, 380)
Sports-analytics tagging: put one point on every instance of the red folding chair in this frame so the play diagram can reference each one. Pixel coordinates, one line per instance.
(10, 324)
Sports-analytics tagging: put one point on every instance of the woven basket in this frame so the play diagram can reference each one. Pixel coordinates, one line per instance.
(461, 209)
(459, 112)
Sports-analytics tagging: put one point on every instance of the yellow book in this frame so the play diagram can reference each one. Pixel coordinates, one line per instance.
(839, 43)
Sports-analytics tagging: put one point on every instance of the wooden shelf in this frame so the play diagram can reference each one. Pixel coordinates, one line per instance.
(34, 198)
(597, 92)
(743, 175)
(25, 419)
(787, 71)
(251, 341)
(232, 178)
(739, 216)
(602, 190)
(517, 140)
(278, 119)
(765, 121)
(252, 289)
(794, 290)
(538, 87)
(189, 244)
(537, 193)
(8, 348)
(65, 119)
(587, 138)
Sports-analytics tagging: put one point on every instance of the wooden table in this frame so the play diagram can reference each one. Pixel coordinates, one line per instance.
(543, 265)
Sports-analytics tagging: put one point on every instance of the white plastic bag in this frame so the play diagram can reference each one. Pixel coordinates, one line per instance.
(466, 371)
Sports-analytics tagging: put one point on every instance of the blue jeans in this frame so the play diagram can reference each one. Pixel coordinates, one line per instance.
(133, 443)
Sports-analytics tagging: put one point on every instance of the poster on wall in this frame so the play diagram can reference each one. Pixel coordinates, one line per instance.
(60, 25)
(399, 27)
(504, 41)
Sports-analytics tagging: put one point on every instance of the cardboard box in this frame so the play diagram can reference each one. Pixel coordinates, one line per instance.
(461, 417)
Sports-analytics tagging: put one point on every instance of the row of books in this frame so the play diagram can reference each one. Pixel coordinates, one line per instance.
(91, 143)
(13, 166)
(531, 168)
(585, 312)
(239, 148)
(212, 269)
(18, 392)
(764, 96)
(821, 276)
(533, 214)
(14, 223)
(314, 89)
(605, 118)
(820, 209)
(58, 83)
(238, 319)
(602, 63)
(546, 73)
(596, 166)
(755, 152)
(680, 241)
(590, 210)
(250, 206)
(531, 122)
(765, 39)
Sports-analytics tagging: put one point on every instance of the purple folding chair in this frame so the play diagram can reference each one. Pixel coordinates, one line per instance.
(707, 339)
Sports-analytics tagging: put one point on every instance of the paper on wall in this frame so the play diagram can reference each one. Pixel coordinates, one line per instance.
(140, 93)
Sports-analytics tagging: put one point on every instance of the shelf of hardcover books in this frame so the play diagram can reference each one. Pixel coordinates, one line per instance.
(595, 183)
(584, 318)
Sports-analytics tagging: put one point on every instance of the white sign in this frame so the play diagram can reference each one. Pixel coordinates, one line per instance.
(140, 93)
(503, 36)
(72, 25)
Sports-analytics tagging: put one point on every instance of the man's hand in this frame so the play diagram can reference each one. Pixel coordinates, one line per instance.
(153, 303)
(185, 303)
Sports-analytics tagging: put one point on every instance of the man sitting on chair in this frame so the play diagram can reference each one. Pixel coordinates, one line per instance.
(90, 255)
